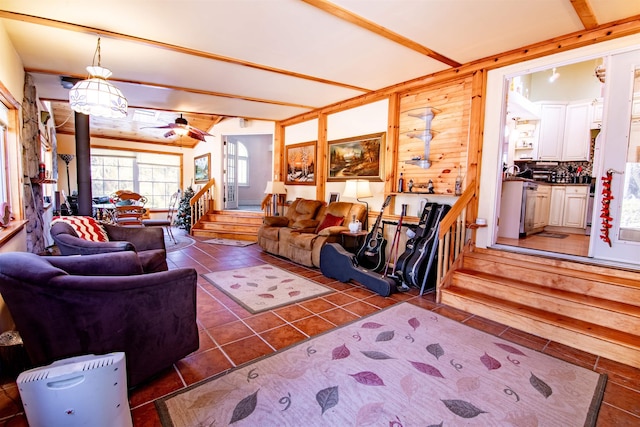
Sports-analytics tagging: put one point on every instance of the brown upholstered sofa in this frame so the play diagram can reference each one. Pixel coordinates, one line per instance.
(307, 226)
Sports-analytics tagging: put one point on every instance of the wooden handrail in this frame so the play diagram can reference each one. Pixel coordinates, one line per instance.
(457, 208)
(201, 202)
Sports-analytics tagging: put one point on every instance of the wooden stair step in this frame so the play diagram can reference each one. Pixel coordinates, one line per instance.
(605, 312)
(611, 343)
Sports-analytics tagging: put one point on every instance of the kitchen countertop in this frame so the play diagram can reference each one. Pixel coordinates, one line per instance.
(545, 182)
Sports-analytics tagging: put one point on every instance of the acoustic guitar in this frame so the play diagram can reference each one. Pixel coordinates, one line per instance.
(371, 254)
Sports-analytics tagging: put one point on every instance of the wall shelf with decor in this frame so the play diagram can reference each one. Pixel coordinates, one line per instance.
(42, 181)
(426, 134)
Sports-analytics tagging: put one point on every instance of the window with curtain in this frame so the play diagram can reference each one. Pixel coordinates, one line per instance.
(155, 176)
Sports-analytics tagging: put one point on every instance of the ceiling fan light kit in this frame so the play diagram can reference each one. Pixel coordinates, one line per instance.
(96, 96)
(181, 128)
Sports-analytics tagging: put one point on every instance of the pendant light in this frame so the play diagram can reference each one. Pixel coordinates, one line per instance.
(96, 96)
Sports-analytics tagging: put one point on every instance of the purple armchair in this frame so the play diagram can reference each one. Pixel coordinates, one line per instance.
(96, 304)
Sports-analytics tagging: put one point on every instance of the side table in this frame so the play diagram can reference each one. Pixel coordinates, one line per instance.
(356, 238)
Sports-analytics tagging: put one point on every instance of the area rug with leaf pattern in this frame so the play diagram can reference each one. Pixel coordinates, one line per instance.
(264, 287)
(402, 366)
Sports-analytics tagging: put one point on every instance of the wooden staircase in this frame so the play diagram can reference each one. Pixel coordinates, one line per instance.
(238, 225)
(589, 307)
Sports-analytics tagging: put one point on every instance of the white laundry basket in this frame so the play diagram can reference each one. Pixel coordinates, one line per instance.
(80, 391)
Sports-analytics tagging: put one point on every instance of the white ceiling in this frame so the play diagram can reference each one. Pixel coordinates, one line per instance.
(274, 59)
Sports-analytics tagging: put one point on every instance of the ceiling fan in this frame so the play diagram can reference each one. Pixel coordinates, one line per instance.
(181, 128)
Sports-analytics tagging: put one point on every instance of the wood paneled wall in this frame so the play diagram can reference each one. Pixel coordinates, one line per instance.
(450, 135)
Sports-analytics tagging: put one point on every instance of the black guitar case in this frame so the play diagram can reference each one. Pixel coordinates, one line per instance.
(420, 265)
(412, 244)
(337, 263)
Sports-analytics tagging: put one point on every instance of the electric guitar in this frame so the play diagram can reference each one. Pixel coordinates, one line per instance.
(371, 254)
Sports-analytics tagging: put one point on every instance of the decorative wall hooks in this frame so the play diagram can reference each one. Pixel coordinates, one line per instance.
(426, 135)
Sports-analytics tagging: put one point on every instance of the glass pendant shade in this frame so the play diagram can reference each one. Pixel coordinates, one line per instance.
(95, 96)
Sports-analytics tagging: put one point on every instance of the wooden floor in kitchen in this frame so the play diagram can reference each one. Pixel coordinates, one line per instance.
(570, 244)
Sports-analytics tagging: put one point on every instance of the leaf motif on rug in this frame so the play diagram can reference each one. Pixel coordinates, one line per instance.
(540, 385)
(414, 323)
(372, 325)
(245, 407)
(436, 350)
(341, 352)
(490, 362)
(385, 336)
(368, 378)
(369, 414)
(462, 408)
(425, 368)
(376, 355)
(327, 398)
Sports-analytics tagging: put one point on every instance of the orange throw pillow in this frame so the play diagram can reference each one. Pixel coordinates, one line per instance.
(329, 221)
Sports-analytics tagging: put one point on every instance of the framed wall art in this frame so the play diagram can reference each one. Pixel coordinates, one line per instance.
(201, 168)
(358, 157)
(301, 163)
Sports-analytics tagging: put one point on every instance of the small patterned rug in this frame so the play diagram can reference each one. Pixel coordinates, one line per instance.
(403, 366)
(552, 235)
(264, 287)
(229, 242)
(182, 240)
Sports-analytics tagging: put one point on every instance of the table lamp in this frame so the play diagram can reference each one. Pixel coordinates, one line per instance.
(275, 188)
(357, 189)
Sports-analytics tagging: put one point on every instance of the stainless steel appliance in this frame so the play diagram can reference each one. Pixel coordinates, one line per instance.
(528, 207)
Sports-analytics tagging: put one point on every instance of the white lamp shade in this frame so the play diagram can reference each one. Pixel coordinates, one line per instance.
(275, 187)
(95, 96)
(357, 188)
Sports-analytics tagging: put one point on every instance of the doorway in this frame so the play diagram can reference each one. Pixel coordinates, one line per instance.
(247, 166)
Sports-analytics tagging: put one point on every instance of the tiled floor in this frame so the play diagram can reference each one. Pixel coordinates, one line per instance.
(229, 335)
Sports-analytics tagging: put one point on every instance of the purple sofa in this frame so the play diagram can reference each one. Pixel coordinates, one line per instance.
(96, 304)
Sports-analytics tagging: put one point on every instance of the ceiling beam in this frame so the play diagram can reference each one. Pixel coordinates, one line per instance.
(352, 18)
(166, 86)
(585, 13)
(173, 48)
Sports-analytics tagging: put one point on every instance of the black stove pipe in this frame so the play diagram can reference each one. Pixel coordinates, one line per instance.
(83, 164)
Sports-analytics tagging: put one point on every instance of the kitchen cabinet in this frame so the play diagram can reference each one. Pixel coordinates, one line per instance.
(564, 132)
(597, 110)
(543, 203)
(568, 205)
(550, 141)
(556, 205)
(575, 206)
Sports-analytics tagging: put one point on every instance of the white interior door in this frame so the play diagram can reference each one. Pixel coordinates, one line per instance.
(616, 218)
(231, 174)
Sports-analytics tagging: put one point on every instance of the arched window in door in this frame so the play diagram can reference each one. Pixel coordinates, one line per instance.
(243, 164)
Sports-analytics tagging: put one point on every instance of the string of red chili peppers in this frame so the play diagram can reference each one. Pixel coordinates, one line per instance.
(605, 213)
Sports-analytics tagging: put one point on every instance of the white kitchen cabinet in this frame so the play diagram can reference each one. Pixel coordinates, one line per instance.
(568, 205)
(597, 110)
(550, 140)
(543, 202)
(575, 206)
(577, 133)
(556, 205)
(564, 132)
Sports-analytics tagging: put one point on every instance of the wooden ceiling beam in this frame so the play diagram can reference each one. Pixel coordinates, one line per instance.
(585, 13)
(173, 87)
(361, 22)
(67, 26)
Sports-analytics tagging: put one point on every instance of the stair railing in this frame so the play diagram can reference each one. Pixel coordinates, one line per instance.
(451, 236)
(202, 202)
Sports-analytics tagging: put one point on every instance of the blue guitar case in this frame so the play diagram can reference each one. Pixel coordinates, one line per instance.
(337, 263)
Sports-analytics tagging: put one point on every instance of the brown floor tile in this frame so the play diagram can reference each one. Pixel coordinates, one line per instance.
(525, 339)
(360, 308)
(283, 336)
(339, 286)
(359, 293)
(199, 366)
(10, 403)
(216, 318)
(452, 313)
(230, 332)
(424, 302)
(340, 298)
(263, 321)
(19, 420)
(622, 374)
(571, 355)
(486, 325)
(247, 349)
(313, 325)
(609, 416)
(622, 398)
(205, 341)
(166, 382)
(380, 301)
(293, 313)
(338, 316)
(146, 416)
(317, 305)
